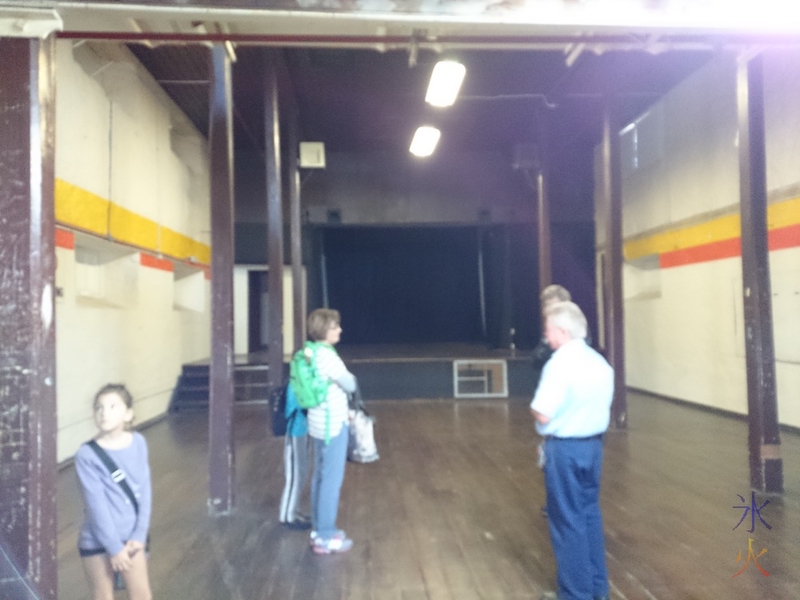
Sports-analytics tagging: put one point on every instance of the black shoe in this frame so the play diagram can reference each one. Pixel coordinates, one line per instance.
(299, 523)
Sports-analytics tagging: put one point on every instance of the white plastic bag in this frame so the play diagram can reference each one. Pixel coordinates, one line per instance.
(361, 446)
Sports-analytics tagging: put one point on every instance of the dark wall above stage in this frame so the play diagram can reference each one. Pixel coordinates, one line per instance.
(399, 189)
(401, 239)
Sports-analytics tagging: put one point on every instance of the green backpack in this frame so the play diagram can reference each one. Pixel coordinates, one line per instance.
(309, 386)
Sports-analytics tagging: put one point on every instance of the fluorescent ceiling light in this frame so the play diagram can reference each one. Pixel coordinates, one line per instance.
(425, 140)
(445, 82)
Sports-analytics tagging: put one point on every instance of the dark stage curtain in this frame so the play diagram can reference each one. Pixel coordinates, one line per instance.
(404, 285)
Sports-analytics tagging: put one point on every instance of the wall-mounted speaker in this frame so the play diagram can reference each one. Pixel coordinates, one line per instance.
(312, 155)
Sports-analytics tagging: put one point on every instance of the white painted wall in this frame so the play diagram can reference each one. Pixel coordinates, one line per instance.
(241, 312)
(684, 324)
(120, 137)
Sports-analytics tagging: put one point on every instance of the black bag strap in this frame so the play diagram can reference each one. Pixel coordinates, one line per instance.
(356, 402)
(116, 473)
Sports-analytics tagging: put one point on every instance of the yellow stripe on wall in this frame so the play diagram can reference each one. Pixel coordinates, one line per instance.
(80, 209)
(134, 229)
(202, 252)
(780, 214)
(783, 214)
(183, 247)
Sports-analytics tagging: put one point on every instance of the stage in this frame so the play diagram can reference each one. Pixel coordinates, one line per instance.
(397, 372)
(387, 372)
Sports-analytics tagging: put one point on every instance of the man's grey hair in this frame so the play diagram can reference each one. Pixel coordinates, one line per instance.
(554, 293)
(569, 317)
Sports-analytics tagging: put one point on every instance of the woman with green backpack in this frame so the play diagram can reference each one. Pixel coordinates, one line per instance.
(322, 383)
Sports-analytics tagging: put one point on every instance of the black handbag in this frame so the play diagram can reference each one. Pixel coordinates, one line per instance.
(119, 477)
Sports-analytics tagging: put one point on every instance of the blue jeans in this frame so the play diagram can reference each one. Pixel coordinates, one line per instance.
(329, 463)
(572, 477)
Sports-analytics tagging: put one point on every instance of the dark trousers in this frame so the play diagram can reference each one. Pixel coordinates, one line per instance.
(572, 477)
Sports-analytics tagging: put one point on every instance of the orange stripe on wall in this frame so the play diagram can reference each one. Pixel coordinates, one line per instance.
(148, 260)
(65, 239)
(697, 254)
(784, 237)
(779, 238)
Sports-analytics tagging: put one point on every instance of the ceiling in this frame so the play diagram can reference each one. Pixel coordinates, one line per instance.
(362, 100)
(357, 71)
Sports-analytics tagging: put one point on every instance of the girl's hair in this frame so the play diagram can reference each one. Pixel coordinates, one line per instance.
(115, 388)
(320, 320)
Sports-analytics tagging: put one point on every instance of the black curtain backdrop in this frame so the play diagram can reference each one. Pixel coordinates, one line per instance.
(416, 285)
(404, 285)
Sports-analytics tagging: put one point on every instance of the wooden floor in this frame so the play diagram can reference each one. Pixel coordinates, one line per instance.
(452, 511)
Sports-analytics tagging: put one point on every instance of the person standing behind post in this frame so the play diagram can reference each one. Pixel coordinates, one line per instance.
(572, 408)
(550, 295)
(328, 428)
(295, 462)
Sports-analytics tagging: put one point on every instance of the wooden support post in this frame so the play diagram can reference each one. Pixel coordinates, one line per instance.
(612, 272)
(766, 466)
(272, 147)
(28, 531)
(221, 391)
(298, 316)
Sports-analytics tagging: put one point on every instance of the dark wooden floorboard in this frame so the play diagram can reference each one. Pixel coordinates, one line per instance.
(453, 511)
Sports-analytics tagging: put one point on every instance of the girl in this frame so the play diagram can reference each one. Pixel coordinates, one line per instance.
(114, 533)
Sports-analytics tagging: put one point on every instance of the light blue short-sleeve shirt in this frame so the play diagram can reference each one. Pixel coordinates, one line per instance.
(575, 392)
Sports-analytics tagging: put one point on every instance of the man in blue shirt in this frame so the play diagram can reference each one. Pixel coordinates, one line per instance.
(572, 407)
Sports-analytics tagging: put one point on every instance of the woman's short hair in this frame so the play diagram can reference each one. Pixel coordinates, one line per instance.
(554, 293)
(569, 317)
(320, 321)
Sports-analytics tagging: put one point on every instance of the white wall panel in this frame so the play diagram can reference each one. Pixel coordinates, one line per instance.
(109, 113)
(83, 112)
(683, 343)
(646, 201)
(684, 328)
(694, 169)
(134, 161)
(241, 310)
(781, 91)
(703, 168)
(785, 269)
(788, 379)
(143, 346)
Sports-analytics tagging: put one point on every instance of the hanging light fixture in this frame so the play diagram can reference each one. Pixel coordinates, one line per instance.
(446, 80)
(425, 140)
